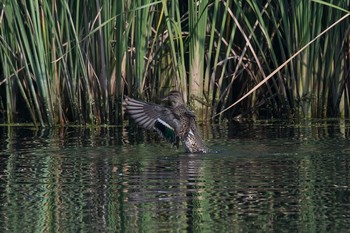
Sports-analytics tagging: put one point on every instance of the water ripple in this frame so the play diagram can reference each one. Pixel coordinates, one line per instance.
(265, 178)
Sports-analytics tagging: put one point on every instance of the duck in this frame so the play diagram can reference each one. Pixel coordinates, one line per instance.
(174, 122)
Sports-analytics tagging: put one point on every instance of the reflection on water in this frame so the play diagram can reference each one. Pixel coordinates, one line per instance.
(268, 176)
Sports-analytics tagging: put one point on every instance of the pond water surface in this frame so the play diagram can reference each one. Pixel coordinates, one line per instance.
(266, 177)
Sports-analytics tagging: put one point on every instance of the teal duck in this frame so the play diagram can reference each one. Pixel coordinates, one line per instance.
(175, 122)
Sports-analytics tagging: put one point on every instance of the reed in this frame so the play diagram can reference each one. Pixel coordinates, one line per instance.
(71, 62)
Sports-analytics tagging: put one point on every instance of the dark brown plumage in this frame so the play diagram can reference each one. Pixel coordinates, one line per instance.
(174, 123)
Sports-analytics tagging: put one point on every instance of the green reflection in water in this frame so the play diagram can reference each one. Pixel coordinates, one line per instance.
(268, 177)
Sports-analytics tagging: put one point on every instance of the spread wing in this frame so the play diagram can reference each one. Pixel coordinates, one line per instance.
(153, 116)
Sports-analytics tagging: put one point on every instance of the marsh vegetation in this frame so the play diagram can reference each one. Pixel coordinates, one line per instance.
(71, 62)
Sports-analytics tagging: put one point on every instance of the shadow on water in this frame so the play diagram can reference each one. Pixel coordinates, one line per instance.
(268, 176)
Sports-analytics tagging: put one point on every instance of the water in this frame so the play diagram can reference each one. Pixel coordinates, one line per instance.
(267, 177)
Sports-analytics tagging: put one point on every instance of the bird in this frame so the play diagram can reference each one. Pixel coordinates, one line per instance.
(174, 122)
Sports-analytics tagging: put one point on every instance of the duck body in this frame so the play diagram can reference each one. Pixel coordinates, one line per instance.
(175, 122)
